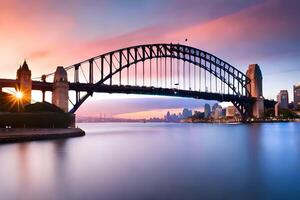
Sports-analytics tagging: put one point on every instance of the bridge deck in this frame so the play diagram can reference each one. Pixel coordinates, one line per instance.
(127, 89)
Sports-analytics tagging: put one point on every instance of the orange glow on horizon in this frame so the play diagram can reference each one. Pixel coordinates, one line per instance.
(160, 113)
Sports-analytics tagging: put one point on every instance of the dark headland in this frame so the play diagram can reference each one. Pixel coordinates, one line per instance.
(39, 121)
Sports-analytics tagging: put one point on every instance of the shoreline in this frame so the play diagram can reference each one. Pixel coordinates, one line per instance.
(200, 121)
(243, 122)
(15, 135)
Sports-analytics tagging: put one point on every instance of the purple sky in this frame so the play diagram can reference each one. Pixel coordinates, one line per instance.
(52, 32)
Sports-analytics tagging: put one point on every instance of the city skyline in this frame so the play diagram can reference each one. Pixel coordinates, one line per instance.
(255, 32)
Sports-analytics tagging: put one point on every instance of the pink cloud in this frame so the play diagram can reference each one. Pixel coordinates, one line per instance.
(247, 32)
(24, 32)
(152, 34)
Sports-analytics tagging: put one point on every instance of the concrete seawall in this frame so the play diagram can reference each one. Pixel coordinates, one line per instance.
(30, 134)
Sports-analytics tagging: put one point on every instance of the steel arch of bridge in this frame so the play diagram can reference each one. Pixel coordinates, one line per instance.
(117, 61)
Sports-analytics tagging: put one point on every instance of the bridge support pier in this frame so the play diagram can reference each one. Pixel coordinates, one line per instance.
(255, 88)
(60, 94)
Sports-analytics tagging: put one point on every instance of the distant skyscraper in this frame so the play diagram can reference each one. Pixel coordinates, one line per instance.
(217, 111)
(173, 117)
(214, 107)
(207, 111)
(297, 96)
(186, 113)
(167, 116)
(283, 99)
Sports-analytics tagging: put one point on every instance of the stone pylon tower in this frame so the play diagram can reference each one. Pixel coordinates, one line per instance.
(256, 90)
(25, 83)
(60, 94)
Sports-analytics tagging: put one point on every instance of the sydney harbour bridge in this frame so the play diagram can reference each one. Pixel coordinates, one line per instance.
(150, 69)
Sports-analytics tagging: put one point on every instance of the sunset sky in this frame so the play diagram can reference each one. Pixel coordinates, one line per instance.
(48, 33)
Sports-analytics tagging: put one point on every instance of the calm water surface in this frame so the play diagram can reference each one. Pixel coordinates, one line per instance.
(157, 161)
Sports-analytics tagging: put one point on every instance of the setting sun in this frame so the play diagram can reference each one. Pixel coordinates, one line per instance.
(19, 95)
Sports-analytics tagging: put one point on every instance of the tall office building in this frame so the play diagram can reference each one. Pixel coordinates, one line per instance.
(297, 96)
(207, 110)
(187, 113)
(283, 99)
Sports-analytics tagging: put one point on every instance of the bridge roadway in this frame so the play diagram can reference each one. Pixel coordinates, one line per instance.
(127, 89)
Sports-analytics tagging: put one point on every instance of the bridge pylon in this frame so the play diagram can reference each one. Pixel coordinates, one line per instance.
(24, 83)
(255, 87)
(60, 93)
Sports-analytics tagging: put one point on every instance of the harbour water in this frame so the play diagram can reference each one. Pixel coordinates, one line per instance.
(157, 161)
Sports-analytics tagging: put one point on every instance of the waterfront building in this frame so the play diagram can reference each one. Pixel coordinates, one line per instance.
(218, 112)
(199, 115)
(213, 108)
(168, 116)
(297, 96)
(283, 99)
(276, 109)
(207, 111)
(230, 111)
(224, 110)
(186, 113)
(172, 117)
